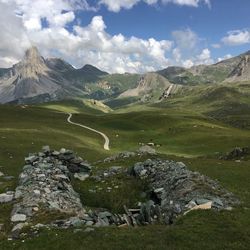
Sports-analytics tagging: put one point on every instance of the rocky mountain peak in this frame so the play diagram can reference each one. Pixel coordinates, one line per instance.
(36, 79)
(32, 53)
(59, 65)
(90, 69)
(32, 65)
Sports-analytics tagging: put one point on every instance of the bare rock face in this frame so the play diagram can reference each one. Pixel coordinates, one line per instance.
(149, 86)
(35, 79)
(242, 72)
(32, 65)
(28, 78)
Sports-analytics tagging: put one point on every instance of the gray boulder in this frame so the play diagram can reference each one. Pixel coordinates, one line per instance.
(18, 218)
(4, 198)
(81, 176)
(147, 150)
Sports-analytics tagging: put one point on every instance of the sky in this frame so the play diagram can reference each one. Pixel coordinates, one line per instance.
(120, 36)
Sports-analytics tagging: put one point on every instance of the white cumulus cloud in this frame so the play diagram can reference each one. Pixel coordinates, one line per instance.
(90, 44)
(205, 57)
(117, 5)
(228, 56)
(13, 37)
(185, 39)
(118, 52)
(193, 3)
(237, 37)
(187, 63)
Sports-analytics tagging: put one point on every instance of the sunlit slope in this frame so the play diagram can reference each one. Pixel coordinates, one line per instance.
(26, 129)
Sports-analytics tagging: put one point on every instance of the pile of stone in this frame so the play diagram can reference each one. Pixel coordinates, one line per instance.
(9, 195)
(92, 218)
(142, 151)
(45, 184)
(175, 190)
(110, 172)
(237, 154)
(122, 155)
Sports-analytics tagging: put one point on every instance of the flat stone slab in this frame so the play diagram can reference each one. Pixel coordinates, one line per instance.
(4, 198)
(18, 218)
(81, 176)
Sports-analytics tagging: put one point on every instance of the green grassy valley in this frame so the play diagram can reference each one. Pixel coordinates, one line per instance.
(124, 125)
(187, 128)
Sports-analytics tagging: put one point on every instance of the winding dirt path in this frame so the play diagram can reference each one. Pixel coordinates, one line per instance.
(106, 144)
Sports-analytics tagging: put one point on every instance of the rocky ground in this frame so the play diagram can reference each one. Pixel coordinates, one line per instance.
(45, 187)
(142, 151)
(237, 154)
(175, 190)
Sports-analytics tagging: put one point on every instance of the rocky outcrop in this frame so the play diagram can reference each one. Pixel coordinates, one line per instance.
(147, 85)
(241, 73)
(45, 184)
(175, 190)
(172, 191)
(142, 151)
(122, 155)
(237, 154)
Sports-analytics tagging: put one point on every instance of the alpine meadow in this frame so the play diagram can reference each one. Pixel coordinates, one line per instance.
(124, 124)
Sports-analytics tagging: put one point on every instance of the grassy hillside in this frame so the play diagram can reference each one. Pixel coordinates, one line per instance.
(202, 74)
(186, 130)
(78, 106)
(117, 83)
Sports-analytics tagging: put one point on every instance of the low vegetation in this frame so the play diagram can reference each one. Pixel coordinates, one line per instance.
(184, 129)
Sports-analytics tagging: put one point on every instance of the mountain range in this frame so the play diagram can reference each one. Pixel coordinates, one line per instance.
(36, 79)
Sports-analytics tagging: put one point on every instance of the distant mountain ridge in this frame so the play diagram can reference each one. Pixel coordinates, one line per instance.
(215, 73)
(46, 79)
(86, 73)
(151, 86)
(36, 79)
